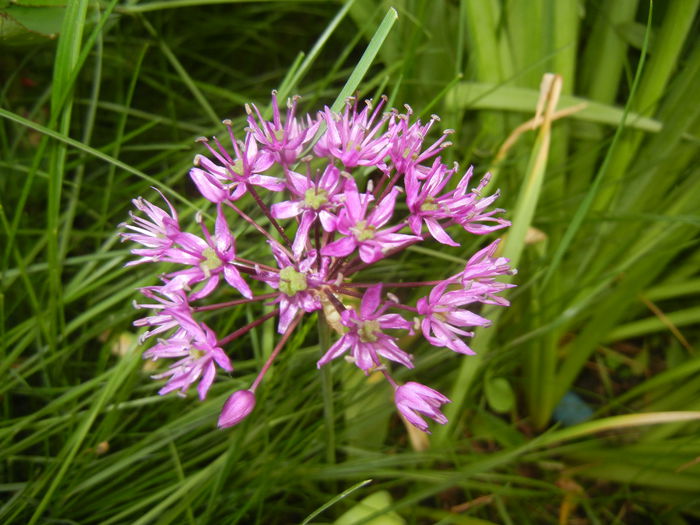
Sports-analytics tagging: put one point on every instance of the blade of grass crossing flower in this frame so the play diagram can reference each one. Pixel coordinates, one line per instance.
(291, 82)
(366, 59)
(362, 66)
(513, 248)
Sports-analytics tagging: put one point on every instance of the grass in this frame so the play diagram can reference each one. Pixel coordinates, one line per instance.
(605, 209)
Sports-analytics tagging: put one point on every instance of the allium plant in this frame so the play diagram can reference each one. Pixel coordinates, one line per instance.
(350, 189)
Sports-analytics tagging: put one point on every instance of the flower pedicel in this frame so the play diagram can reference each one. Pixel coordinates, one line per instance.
(369, 189)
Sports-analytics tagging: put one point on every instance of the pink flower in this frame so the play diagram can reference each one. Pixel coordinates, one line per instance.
(172, 303)
(229, 180)
(427, 205)
(299, 284)
(351, 137)
(196, 346)
(284, 140)
(478, 276)
(442, 317)
(365, 338)
(363, 231)
(407, 141)
(466, 208)
(236, 408)
(414, 400)
(469, 210)
(312, 200)
(209, 259)
(157, 235)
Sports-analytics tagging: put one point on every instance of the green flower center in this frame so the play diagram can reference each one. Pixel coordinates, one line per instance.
(314, 198)
(368, 331)
(196, 354)
(428, 205)
(291, 281)
(211, 261)
(363, 232)
(237, 167)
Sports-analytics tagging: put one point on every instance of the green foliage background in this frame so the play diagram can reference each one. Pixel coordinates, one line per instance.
(605, 212)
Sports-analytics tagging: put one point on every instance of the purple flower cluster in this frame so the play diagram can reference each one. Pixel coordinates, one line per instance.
(366, 189)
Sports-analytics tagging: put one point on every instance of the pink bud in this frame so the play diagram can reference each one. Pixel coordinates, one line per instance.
(237, 408)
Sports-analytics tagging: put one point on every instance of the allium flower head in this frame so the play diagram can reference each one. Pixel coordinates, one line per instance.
(373, 185)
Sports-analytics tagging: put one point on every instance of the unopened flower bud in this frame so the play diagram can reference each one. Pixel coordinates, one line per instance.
(236, 408)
